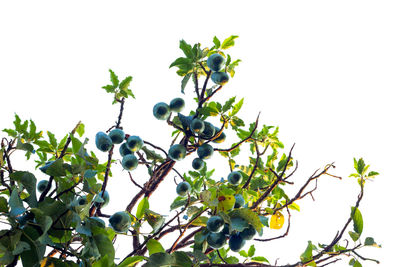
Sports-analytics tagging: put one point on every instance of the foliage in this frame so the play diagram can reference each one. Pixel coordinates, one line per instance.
(63, 217)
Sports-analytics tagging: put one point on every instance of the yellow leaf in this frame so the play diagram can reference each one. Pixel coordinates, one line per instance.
(277, 221)
(226, 202)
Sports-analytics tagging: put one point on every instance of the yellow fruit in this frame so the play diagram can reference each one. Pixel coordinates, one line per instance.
(277, 221)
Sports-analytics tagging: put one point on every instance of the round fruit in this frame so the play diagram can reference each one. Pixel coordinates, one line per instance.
(239, 201)
(129, 162)
(198, 164)
(82, 200)
(120, 221)
(105, 197)
(235, 177)
(134, 143)
(197, 126)
(161, 111)
(46, 166)
(215, 62)
(205, 151)
(220, 78)
(236, 242)
(216, 240)
(103, 142)
(97, 221)
(221, 138)
(41, 186)
(124, 150)
(183, 188)
(215, 224)
(177, 104)
(117, 136)
(209, 130)
(248, 233)
(225, 230)
(177, 152)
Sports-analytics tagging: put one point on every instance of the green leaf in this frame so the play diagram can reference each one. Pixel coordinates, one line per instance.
(24, 146)
(114, 79)
(56, 168)
(159, 259)
(248, 215)
(155, 220)
(123, 86)
(186, 48)
(181, 61)
(3, 205)
(36, 252)
(229, 42)
(294, 206)
(142, 207)
(228, 104)
(307, 254)
(181, 259)
(184, 82)
(251, 251)
(52, 139)
(357, 220)
(354, 236)
(236, 107)
(369, 241)
(28, 180)
(372, 174)
(15, 204)
(42, 220)
(217, 42)
(259, 259)
(154, 246)
(238, 224)
(243, 254)
(360, 166)
(105, 247)
(152, 155)
(131, 261)
(80, 129)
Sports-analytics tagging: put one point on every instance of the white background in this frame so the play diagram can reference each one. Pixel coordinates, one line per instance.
(325, 72)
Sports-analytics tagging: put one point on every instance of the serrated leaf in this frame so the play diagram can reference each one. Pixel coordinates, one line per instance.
(186, 48)
(217, 42)
(229, 42)
(113, 78)
(228, 104)
(181, 61)
(123, 86)
(236, 107)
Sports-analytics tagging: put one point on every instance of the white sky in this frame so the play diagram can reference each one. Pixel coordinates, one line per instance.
(326, 72)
